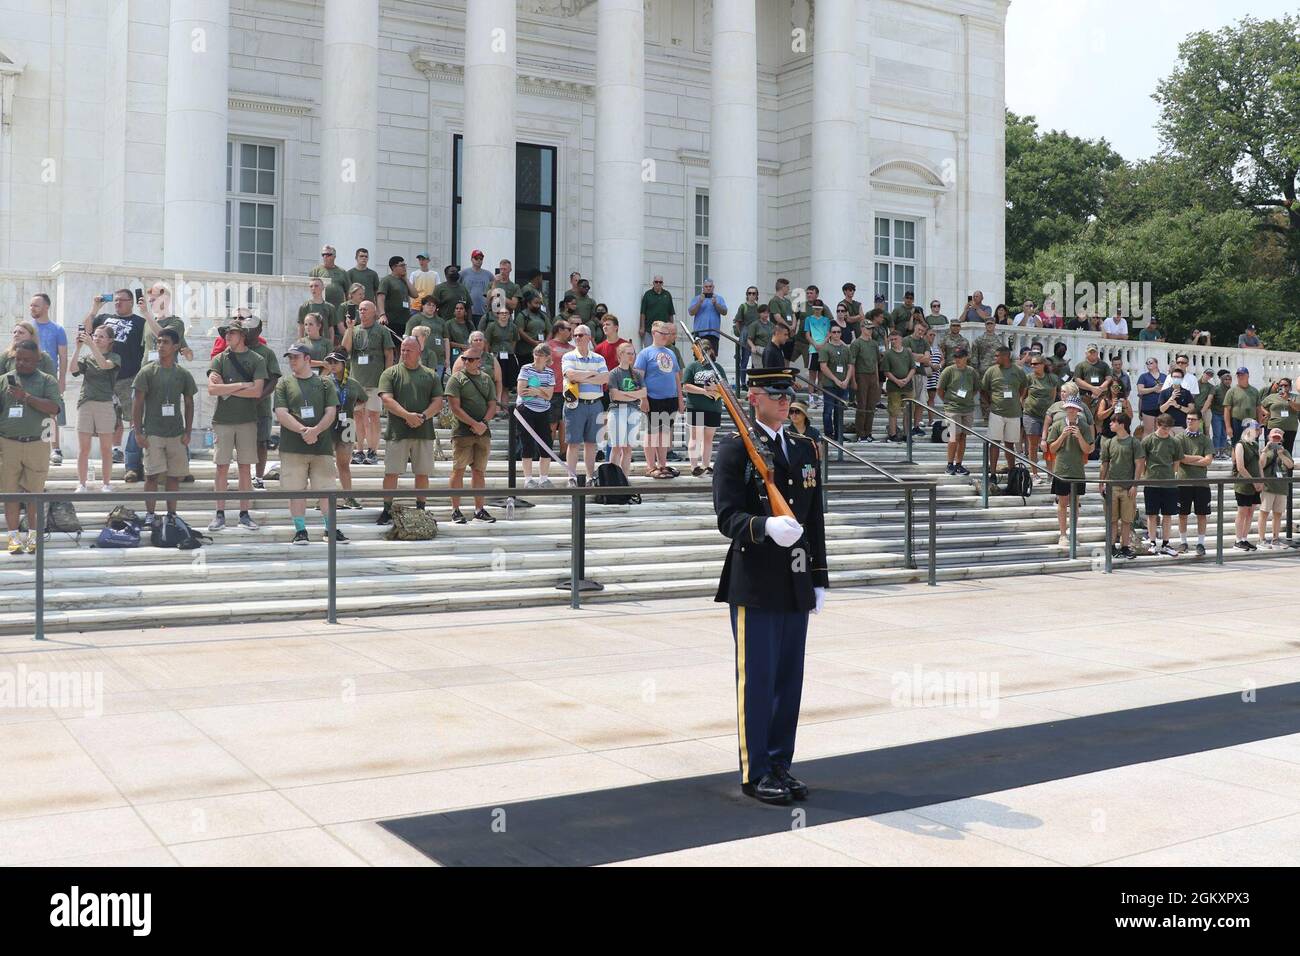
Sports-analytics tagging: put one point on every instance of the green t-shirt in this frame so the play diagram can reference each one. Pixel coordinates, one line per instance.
(697, 373)
(1092, 373)
(900, 317)
(434, 354)
(233, 410)
(447, 295)
(584, 305)
(413, 389)
(917, 345)
(319, 348)
(458, 332)
(1280, 413)
(1161, 454)
(1241, 402)
(306, 400)
(1003, 386)
(1216, 400)
(150, 340)
(1122, 454)
(780, 305)
(29, 423)
(475, 393)
(657, 307)
(1272, 470)
(366, 357)
(899, 364)
(272, 371)
(336, 288)
(164, 390)
(1198, 444)
(959, 387)
(502, 340)
(1042, 393)
(97, 383)
(758, 335)
(329, 314)
(368, 278)
(1069, 463)
(864, 353)
(1249, 458)
(397, 300)
(835, 357)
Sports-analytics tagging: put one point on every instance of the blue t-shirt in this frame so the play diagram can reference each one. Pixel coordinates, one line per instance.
(52, 336)
(477, 283)
(659, 366)
(708, 319)
(818, 328)
(1150, 403)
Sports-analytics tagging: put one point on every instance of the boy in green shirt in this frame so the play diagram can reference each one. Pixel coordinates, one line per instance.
(958, 387)
(1163, 450)
(900, 369)
(1070, 441)
(1122, 459)
(1198, 453)
(306, 405)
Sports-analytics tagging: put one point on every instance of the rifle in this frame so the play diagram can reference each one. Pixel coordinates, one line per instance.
(758, 456)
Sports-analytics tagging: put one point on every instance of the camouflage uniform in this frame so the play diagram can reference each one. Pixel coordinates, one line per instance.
(984, 353)
(950, 343)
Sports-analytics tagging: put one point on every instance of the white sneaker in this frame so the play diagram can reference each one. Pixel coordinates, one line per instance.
(544, 483)
(1063, 541)
(106, 489)
(531, 483)
(81, 489)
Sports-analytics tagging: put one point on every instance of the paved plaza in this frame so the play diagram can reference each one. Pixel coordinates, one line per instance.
(1004, 722)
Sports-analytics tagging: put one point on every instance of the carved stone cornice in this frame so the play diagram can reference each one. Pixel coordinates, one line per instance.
(441, 64)
(261, 103)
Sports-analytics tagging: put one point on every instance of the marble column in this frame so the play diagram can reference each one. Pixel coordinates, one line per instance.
(350, 128)
(488, 206)
(194, 171)
(733, 153)
(618, 277)
(835, 229)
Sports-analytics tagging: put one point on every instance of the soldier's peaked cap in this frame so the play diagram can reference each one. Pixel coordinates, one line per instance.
(774, 381)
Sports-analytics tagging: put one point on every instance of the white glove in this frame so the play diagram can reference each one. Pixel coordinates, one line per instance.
(820, 593)
(784, 531)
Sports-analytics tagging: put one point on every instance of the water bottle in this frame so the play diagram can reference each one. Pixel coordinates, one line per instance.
(510, 509)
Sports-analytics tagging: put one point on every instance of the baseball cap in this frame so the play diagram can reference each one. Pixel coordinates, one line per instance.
(337, 357)
(476, 254)
(955, 320)
(1243, 371)
(1074, 403)
(880, 298)
(1250, 423)
(297, 350)
(961, 353)
(422, 255)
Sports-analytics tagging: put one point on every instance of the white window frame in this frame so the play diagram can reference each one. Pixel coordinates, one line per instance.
(234, 197)
(700, 269)
(893, 261)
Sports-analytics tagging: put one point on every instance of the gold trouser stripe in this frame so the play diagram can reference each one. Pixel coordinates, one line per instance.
(740, 692)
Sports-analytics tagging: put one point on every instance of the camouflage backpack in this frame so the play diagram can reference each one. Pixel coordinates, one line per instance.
(412, 524)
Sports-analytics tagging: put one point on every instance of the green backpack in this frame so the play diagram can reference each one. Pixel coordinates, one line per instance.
(411, 524)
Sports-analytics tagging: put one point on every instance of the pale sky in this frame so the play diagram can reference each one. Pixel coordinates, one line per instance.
(1089, 67)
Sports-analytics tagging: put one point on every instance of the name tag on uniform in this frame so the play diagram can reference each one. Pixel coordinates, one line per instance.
(1006, 394)
(1096, 380)
(839, 369)
(306, 412)
(961, 393)
(437, 341)
(1065, 377)
(343, 418)
(406, 303)
(152, 356)
(882, 349)
(503, 355)
(363, 359)
(1286, 413)
(16, 411)
(167, 411)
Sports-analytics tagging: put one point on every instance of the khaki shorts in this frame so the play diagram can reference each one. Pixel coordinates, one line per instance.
(374, 403)
(166, 455)
(417, 451)
(237, 441)
(1123, 506)
(894, 402)
(23, 465)
(1004, 430)
(471, 450)
(1270, 501)
(308, 472)
(96, 418)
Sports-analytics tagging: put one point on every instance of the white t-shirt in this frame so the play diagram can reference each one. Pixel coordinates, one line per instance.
(1189, 383)
(1113, 327)
(1033, 321)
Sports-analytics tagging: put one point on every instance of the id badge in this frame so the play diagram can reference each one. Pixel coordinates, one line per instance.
(437, 341)
(1096, 380)
(1006, 394)
(343, 418)
(1286, 413)
(306, 411)
(16, 411)
(503, 355)
(168, 411)
(363, 359)
(961, 393)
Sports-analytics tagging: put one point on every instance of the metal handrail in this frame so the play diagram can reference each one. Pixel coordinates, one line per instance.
(577, 504)
(984, 451)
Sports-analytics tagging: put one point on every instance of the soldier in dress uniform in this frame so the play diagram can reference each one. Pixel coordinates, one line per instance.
(774, 576)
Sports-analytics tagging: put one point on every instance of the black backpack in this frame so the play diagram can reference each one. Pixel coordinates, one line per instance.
(62, 517)
(937, 431)
(1019, 481)
(171, 531)
(609, 475)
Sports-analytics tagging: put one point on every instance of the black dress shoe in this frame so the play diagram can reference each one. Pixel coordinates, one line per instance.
(798, 789)
(768, 790)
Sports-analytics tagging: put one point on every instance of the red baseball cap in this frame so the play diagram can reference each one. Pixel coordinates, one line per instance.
(476, 254)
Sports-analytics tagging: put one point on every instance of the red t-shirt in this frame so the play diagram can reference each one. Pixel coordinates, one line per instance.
(609, 351)
(219, 345)
(558, 349)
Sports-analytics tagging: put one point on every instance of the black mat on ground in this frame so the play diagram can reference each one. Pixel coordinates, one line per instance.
(606, 826)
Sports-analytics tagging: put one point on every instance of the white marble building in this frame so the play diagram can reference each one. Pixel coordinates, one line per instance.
(744, 139)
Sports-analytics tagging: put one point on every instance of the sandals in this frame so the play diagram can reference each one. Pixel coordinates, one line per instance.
(662, 473)
(697, 471)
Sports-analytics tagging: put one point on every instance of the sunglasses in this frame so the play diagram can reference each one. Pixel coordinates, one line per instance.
(580, 335)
